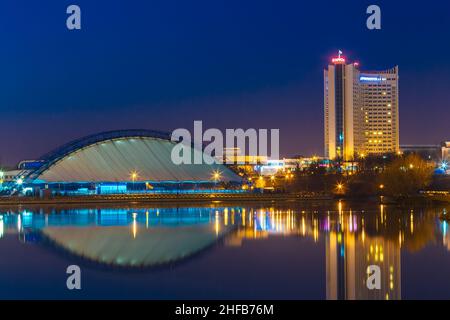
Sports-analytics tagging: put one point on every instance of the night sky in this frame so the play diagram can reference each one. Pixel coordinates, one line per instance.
(161, 64)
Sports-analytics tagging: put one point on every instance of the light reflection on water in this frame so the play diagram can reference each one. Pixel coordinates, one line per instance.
(350, 237)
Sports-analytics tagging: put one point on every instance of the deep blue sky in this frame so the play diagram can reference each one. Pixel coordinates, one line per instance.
(161, 64)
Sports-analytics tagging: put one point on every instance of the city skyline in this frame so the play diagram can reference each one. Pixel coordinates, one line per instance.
(217, 158)
(156, 68)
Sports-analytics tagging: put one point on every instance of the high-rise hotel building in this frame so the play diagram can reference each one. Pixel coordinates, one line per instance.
(361, 111)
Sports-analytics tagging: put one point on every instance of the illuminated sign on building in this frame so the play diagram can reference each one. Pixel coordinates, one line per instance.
(338, 60)
(366, 78)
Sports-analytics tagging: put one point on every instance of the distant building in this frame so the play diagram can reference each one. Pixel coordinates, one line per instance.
(427, 152)
(10, 176)
(361, 111)
(445, 151)
(287, 165)
(235, 156)
(432, 152)
(271, 167)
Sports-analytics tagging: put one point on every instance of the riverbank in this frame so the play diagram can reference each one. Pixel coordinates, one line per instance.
(436, 196)
(165, 198)
(134, 199)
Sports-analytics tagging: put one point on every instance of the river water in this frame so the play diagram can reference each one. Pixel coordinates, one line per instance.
(311, 250)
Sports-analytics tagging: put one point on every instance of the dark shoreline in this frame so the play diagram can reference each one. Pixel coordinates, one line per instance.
(180, 199)
(164, 199)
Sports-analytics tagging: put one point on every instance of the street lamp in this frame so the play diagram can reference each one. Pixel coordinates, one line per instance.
(340, 187)
(216, 175)
(134, 175)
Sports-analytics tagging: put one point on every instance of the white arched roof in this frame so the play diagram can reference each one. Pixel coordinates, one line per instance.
(115, 159)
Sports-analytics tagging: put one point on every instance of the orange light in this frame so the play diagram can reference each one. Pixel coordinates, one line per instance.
(216, 175)
(134, 176)
(338, 60)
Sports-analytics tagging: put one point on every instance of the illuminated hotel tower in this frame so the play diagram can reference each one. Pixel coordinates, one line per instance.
(361, 111)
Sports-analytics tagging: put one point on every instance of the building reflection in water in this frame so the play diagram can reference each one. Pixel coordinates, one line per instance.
(349, 253)
(352, 239)
(347, 262)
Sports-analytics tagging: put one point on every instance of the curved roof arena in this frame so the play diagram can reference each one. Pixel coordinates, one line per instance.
(113, 156)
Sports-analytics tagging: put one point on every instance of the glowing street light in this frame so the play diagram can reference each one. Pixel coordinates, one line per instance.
(216, 175)
(444, 165)
(381, 186)
(134, 176)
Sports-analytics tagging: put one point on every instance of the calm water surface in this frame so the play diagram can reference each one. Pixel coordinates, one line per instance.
(292, 251)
